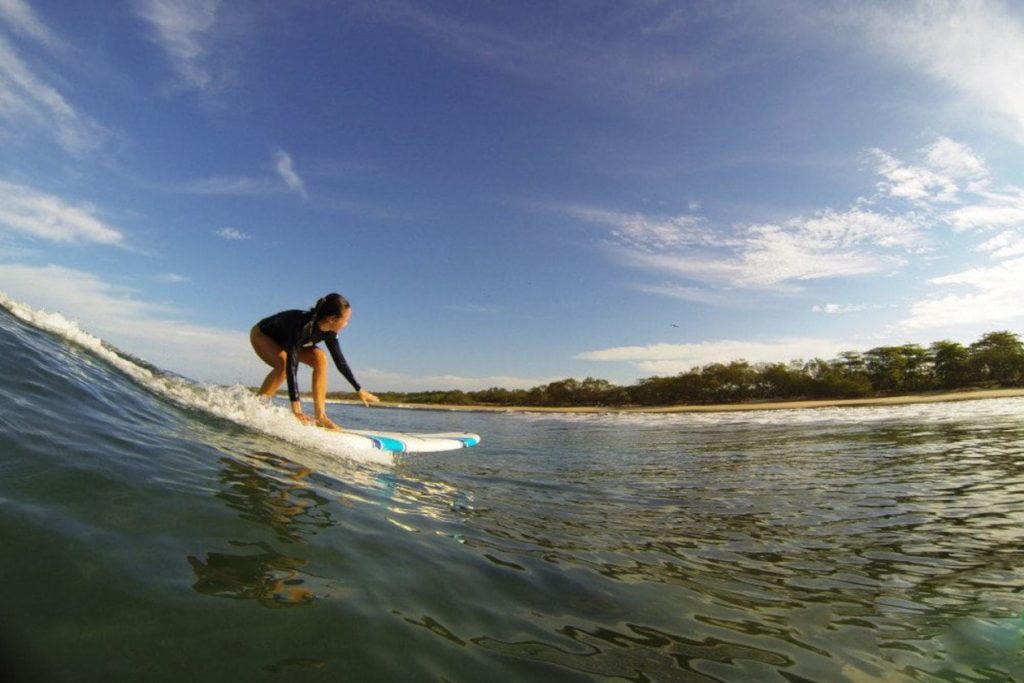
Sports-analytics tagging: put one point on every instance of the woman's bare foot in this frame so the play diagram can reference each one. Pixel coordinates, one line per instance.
(327, 423)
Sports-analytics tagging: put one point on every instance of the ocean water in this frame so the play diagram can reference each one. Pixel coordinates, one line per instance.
(152, 529)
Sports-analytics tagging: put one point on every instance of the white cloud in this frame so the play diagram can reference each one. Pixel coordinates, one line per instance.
(991, 210)
(954, 186)
(975, 47)
(28, 211)
(1006, 244)
(246, 186)
(837, 309)
(144, 329)
(243, 186)
(22, 18)
(668, 359)
(830, 244)
(956, 160)
(948, 163)
(171, 278)
(990, 295)
(27, 102)
(285, 168)
(652, 233)
(232, 234)
(916, 183)
(184, 29)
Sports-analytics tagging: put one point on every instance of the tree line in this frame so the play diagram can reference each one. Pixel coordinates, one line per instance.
(995, 360)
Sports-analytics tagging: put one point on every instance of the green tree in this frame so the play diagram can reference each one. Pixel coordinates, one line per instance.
(833, 379)
(998, 356)
(563, 393)
(779, 380)
(726, 383)
(951, 364)
(898, 368)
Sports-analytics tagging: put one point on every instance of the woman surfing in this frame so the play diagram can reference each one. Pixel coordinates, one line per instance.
(286, 338)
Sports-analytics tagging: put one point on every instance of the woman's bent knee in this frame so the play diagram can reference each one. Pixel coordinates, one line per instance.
(315, 358)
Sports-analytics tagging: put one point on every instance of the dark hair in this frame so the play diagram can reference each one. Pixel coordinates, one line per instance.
(329, 306)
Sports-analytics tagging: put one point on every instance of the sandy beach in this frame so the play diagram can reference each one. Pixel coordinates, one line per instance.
(934, 397)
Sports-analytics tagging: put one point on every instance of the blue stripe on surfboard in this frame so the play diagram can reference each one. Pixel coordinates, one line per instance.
(388, 444)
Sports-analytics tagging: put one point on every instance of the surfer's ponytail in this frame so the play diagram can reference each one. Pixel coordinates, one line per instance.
(330, 306)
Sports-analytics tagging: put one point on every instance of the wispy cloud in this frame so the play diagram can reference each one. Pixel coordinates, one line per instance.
(30, 212)
(654, 233)
(29, 103)
(20, 16)
(285, 168)
(762, 256)
(232, 186)
(950, 167)
(724, 297)
(172, 278)
(185, 31)
(623, 52)
(977, 48)
(1006, 244)
(668, 359)
(990, 210)
(232, 234)
(247, 186)
(841, 309)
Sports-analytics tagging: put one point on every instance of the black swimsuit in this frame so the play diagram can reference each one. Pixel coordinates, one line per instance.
(294, 330)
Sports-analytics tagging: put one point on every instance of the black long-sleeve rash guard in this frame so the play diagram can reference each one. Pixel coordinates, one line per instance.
(294, 330)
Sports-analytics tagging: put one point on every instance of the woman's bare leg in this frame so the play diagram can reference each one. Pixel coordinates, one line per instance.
(317, 359)
(273, 355)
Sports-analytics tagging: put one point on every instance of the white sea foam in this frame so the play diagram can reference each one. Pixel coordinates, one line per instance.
(236, 403)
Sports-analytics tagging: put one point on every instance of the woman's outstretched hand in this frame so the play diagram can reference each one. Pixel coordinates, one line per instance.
(367, 398)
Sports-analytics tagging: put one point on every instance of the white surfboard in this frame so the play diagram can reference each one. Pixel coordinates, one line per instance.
(401, 442)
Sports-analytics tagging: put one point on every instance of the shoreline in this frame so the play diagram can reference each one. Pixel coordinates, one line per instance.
(908, 399)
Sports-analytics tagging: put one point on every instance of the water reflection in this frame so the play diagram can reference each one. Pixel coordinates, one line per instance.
(268, 577)
(276, 493)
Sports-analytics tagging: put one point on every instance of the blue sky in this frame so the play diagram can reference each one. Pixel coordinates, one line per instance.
(514, 193)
